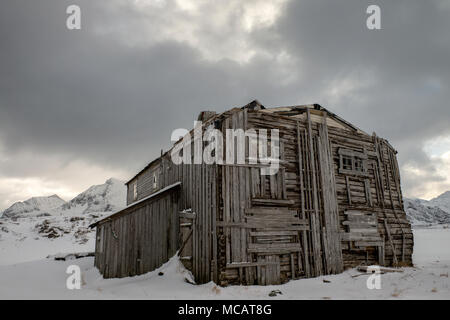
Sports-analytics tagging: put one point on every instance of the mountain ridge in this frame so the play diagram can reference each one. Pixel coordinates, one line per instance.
(106, 197)
(423, 212)
(34, 204)
(54, 219)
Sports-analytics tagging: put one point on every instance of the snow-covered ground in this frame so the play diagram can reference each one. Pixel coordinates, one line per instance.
(38, 227)
(46, 279)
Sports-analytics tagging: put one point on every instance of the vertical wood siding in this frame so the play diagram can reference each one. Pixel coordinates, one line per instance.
(140, 240)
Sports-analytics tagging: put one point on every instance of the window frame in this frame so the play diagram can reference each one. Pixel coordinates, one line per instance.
(355, 157)
(135, 191)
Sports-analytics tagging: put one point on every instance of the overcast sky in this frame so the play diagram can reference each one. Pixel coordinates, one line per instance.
(80, 106)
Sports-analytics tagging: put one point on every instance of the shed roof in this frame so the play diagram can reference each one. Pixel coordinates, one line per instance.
(134, 204)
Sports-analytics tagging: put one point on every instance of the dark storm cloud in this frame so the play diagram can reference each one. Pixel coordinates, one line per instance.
(401, 73)
(85, 95)
(88, 95)
(405, 64)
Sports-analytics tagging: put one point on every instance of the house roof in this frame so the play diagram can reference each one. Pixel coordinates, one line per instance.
(296, 111)
(299, 111)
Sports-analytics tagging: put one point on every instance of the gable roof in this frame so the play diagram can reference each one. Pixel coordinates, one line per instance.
(299, 111)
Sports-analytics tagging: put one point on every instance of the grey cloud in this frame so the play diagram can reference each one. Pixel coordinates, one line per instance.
(88, 95)
(404, 64)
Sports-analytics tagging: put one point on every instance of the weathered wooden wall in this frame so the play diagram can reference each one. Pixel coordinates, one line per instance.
(379, 192)
(139, 239)
(281, 226)
(144, 183)
(310, 188)
(198, 193)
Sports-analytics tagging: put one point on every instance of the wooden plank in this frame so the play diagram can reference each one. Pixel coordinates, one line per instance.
(235, 204)
(274, 219)
(381, 258)
(360, 225)
(189, 258)
(359, 237)
(332, 245)
(268, 248)
(249, 264)
(382, 269)
(352, 153)
(359, 213)
(226, 197)
(280, 218)
(242, 182)
(292, 266)
(368, 192)
(273, 233)
(274, 202)
(368, 243)
(205, 254)
(364, 230)
(388, 232)
(302, 200)
(349, 194)
(283, 226)
(315, 223)
(271, 211)
(214, 227)
(185, 241)
(197, 231)
(187, 215)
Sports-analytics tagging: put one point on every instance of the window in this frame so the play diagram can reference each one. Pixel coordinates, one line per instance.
(346, 162)
(155, 181)
(352, 162)
(358, 164)
(135, 194)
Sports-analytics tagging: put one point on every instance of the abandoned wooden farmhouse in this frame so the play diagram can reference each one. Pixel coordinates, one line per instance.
(335, 202)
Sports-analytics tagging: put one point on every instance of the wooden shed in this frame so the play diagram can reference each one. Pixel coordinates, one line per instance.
(335, 202)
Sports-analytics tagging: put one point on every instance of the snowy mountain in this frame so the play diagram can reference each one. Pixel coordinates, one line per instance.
(35, 205)
(420, 212)
(442, 201)
(424, 212)
(41, 226)
(107, 197)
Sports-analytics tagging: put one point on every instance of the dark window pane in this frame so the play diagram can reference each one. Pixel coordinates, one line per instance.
(346, 163)
(358, 164)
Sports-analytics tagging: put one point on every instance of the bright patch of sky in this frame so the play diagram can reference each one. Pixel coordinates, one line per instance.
(438, 147)
(219, 29)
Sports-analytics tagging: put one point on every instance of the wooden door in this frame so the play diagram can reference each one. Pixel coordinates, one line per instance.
(186, 220)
